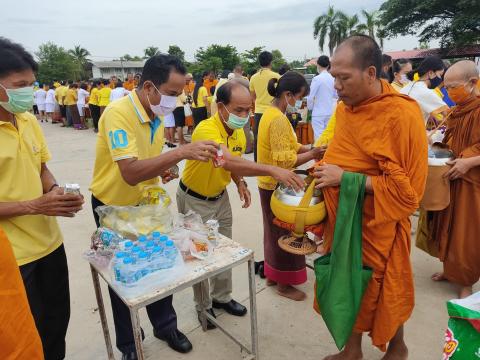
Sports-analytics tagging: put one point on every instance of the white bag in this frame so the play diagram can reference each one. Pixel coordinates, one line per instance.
(187, 110)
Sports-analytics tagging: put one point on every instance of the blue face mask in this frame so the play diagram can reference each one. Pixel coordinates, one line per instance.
(295, 108)
(19, 100)
(235, 122)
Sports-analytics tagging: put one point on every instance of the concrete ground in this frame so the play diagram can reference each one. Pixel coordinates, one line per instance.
(287, 329)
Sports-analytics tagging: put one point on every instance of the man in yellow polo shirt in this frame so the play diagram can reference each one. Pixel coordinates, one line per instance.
(60, 93)
(128, 158)
(93, 104)
(260, 95)
(30, 199)
(104, 95)
(203, 186)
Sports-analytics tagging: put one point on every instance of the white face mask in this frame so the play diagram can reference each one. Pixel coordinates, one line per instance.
(404, 79)
(166, 106)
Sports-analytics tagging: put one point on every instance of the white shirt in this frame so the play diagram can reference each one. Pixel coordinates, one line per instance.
(323, 97)
(82, 95)
(40, 96)
(118, 93)
(427, 98)
(50, 99)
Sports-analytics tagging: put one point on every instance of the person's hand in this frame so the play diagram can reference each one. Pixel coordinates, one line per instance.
(459, 169)
(327, 175)
(288, 178)
(57, 203)
(169, 176)
(318, 152)
(245, 195)
(199, 150)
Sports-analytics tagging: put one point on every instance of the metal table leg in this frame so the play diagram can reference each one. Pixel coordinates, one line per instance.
(253, 308)
(137, 333)
(101, 311)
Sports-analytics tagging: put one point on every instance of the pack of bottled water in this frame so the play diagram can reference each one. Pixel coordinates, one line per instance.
(133, 260)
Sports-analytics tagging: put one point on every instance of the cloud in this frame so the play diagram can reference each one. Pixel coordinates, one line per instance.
(26, 21)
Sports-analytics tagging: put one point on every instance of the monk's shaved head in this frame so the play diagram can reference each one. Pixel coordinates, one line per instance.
(365, 52)
(463, 70)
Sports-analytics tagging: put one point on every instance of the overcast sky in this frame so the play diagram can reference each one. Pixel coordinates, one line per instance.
(112, 28)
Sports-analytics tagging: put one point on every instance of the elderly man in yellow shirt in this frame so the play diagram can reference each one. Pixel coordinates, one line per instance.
(128, 158)
(258, 89)
(30, 199)
(203, 185)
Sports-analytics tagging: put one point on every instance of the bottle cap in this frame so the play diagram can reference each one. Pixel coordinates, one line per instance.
(142, 238)
(157, 249)
(128, 260)
(156, 234)
(136, 249)
(150, 243)
(169, 243)
(143, 255)
(128, 243)
(163, 238)
(120, 254)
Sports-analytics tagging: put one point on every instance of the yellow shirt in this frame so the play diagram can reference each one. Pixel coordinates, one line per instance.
(202, 92)
(60, 93)
(276, 145)
(71, 97)
(203, 177)
(94, 96)
(104, 96)
(56, 84)
(258, 84)
(125, 131)
(21, 155)
(327, 134)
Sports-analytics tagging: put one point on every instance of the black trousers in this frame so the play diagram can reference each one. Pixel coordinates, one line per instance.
(199, 114)
(161, 313)
(95, 111)
(46, 284)
(257, 118)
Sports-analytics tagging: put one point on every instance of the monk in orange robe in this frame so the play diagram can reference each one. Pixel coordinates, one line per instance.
(19, 338)
(455, 230)
(381, 134)
(129, 84)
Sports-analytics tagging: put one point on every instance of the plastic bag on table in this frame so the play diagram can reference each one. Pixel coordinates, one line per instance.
(462, 337)
(182, 240)
(132, 221)
(155, 195)
(200, 247)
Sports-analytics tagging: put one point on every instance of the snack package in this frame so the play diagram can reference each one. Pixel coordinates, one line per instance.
(200, 247)
(212, 231)
(155, 195)
(462, 337)
(132, 221)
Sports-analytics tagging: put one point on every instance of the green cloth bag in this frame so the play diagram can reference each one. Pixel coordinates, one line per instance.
(341, 279)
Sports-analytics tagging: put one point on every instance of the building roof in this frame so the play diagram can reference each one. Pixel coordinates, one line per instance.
(119, 64)
(465, 51)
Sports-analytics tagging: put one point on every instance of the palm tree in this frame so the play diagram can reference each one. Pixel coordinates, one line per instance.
(80, 54)
(331, 24)
(150, 51)
(371, 23)
(351, 25)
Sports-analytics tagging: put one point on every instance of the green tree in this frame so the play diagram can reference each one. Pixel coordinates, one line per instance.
(278, 60)
(295, 64)
(54, 62)
(80, 55)
(454, 23)
(249, 59)
(150, 51)
(227, 54)
(176, 51)
(372, 26)
(330, 25)
(351, 25)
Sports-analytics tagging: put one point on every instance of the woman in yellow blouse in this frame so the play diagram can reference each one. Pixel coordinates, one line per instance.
(277, 145)
(200, 104)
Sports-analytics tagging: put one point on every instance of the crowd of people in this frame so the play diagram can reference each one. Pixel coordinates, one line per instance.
(371, 116)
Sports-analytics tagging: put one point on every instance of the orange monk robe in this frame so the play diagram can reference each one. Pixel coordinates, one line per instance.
(455, 230)
(19, 338)
(209, 84)
(129, 85)
(385, 139)
(188, 88)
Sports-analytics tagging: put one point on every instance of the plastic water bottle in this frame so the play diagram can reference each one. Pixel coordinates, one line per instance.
(129, 276)
(117, 265)
(142, 241)
(142, 264)
(149, 247)
(156, 258)
(156, 237)
(126, 246)
(170, 252)
(136, 250)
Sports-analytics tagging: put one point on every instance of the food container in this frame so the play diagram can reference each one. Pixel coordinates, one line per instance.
(285, 202)
(437, 189)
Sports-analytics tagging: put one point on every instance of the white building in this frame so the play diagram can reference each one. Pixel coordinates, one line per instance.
(106, 69)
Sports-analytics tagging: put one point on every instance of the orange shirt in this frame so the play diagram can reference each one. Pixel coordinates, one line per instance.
(19, 337)
(208, 84)
(189, 88)
(384, 138)
(129, 85)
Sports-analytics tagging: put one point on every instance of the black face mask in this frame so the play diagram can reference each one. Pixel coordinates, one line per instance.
(437, 80)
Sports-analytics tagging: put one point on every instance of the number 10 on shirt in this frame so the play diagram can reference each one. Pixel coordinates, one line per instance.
(118, 139)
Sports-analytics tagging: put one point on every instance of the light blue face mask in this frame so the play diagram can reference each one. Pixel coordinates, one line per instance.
(19, 100)
(295, 108)
(235, 122)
